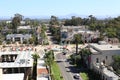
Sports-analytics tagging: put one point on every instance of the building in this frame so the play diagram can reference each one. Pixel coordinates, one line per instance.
(10, 21)
(68, 32)
(18, 37)
(15, 63)
(111, 40)
(24, 27)
(102, 58)
(42, 70)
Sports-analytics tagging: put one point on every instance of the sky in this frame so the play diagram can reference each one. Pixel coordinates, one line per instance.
(59, 7)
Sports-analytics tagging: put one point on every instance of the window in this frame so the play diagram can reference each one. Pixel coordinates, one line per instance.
(112, 57)
(106, 57)
(97, 60)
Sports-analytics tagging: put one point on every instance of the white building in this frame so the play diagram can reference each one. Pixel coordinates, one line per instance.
(24, 27)
(102, 58)
(15, 65)
(18, 37)
(21, 22)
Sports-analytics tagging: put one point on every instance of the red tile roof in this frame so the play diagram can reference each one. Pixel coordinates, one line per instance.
(42, 71)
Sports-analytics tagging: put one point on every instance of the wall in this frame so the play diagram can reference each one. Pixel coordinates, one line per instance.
(1, 74)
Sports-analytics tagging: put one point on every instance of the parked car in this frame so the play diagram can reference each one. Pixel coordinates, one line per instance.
(64, 53)
(77, 76)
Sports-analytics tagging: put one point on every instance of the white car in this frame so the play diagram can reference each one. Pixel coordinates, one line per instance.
(77, 76)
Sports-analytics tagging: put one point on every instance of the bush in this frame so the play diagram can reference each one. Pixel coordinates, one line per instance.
(0, 42)
(75, 58)
(8, 42)
(25, 42)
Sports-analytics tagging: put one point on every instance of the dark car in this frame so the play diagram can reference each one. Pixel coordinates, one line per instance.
(64, 53)
(77, 76)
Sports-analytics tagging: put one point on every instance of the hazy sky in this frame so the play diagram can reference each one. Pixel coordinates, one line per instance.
(60, 7)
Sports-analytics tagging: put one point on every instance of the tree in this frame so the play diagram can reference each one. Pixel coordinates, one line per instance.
(75, 21)
(27, 21)
(19, 16)
(110, 32)
(116, 63)
(75, 58)
(31, 40)
(16, 21)
(44, 27)
(35, 58)
(55, 31)
(54, 20)
(85, 55)
(49, 58)
(34, 23)
(92, 22)
(77, 39)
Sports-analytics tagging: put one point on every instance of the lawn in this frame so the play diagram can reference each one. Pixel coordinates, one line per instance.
(56, 71)
(84, 76)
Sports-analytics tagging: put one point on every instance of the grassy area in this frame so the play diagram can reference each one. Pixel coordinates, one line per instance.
(56, 72)
(84, 76)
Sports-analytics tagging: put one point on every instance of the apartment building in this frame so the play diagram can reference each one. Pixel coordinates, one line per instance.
(15, 64)
(102, 58)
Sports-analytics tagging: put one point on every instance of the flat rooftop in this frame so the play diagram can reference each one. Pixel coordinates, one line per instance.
(17, 76)
(24, 59)
(93, 50)
(24, 27)
(110, 74)
(41, 64)
(42, 78)
(105, 46)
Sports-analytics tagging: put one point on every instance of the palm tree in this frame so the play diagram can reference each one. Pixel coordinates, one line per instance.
(77, 38)
(35, 58)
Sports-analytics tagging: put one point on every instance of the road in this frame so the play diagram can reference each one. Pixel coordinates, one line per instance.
(67, 70)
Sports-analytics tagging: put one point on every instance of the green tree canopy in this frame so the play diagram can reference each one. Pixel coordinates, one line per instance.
(116, 63)
(54, 20)
(77, 39)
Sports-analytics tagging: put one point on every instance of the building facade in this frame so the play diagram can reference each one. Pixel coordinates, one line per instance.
(101, 59)
(18, 37)
(68, 32)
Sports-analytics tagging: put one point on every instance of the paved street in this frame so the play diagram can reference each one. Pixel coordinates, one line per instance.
(67, 70)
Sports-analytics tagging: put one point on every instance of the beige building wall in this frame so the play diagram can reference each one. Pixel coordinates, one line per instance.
(105, 56)
(1, 74)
